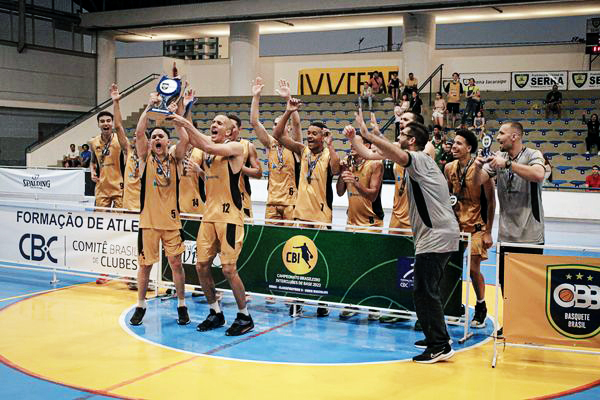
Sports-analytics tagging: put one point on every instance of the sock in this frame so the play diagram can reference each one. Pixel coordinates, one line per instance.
(215, 306)
(142, 303)
(480, 301)
(244, 311)
(180, 302)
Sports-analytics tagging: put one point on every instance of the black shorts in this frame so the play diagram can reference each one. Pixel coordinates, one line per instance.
(453, 108)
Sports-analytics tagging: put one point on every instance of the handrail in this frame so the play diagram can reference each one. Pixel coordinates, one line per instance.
(427, 81)
(90, 112)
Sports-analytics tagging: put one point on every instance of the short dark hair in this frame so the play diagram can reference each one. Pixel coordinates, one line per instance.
(72, 144)
(85, 146)
(595, 166)
(437, 126)
(456, 73)
(515, 125)
(419, 132)
(319, 124)
(236, 119)
(469, 137)
(162, 128)
(104, 114)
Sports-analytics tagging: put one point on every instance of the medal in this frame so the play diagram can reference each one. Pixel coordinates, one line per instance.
(311, 166)
(453, 200)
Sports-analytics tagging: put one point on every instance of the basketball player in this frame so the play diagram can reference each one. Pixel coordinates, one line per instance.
(474, 206)
(222, 228)
(251, 167)
(434, 226)
(159, 217)
(319, 163)
(283, 164)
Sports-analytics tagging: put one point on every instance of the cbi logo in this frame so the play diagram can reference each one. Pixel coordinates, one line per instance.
(300, 255)
(36, 247)
(573, 300)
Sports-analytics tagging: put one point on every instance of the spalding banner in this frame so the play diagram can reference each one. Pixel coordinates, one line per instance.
(36, 181)
(552, 300)
(325, 81)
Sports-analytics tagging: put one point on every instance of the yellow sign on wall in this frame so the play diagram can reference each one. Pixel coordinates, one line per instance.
(326, 81)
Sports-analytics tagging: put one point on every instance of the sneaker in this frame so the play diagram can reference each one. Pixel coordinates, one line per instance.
(197, 293)
(296, 310)
(422, 344)
(242, 324)
(500, 333)
(347, 313)
(183, 317)
(374, 315)
(479, 317)
(138, 315)
(392, 320)
(322, 312)
(132, 286)
(102, 280)
(213, 321)
(435, 355)
(270, 300)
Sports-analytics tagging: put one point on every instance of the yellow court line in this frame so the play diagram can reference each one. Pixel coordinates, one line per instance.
(31, 294)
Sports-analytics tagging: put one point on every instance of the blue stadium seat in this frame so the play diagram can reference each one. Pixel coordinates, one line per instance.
(556, 142)
(577, 183)
(538, 143)
(558, 182)
(550, 155)
(574, 143)
(583, 170)
(563, 168)
(569, 155)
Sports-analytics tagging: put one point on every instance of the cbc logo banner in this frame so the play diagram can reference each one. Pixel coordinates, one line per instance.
(573, 300)
(300, 255)
(34, 247)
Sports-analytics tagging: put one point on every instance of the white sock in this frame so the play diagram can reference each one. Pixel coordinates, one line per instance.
(244, 311)
(481, 301)
(142, 303)
(215, 306)
(180, 302)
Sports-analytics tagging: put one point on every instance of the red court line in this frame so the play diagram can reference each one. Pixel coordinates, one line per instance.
(577, 389)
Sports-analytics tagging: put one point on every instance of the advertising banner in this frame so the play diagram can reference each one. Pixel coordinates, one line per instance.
(584, 80)
(552, 300)
(91, 242)
(539, 80)
(43, 181)
(326, 81)
(336, 266)
(497, 81)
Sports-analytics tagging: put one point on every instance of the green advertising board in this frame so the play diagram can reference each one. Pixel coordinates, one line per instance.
(326, 265)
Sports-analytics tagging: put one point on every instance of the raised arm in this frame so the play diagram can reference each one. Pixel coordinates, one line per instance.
(259, 129)
(203, 142)
(255, 169)
(359, 147)
(389, 150)
(279, 132)
(116, 97)
(285, 92)
(141, 141)
(334, 158)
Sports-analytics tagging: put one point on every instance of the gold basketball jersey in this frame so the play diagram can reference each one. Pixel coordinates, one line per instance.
(223, 197)
(362, 211)
(110, 164)
(400, 215)
(158, 200)
(315, 195)
(282, 185)
(468, 205)
(454, 92)
(131, 191)
(192, 194)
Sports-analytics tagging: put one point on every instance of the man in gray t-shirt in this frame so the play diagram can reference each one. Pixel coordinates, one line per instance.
(519, 173)
(434, 226)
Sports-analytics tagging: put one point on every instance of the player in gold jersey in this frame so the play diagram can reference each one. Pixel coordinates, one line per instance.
(222, 228)
(474, 206)
(251, 167)
(283, 164)
(159, 217)
(319, 163)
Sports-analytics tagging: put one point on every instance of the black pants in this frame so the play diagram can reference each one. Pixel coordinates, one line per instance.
(590, 141)
(428, 272)
(470, 110)
(510, 249)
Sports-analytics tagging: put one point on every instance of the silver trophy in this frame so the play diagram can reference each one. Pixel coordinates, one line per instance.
(170, 91)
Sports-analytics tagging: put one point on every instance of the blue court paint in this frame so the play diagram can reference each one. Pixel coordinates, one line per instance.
(303, 340)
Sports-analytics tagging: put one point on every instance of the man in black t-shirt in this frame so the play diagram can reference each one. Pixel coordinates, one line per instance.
(553, 102)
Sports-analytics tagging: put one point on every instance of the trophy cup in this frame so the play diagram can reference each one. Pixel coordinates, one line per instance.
(170, 91)
(486, 143)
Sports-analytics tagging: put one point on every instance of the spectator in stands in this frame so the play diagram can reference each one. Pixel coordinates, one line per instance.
(553, 102)
(593, 180)
(446, 156)
(473, 95)
(404, 104)
(376, 82)
(548, 168)
(454, 89)
(416, 103)
(439, 110)
(411, 85)
(366, 94)
(593, 136)
(85, 155)
(394, 86)
(71, 159)
(478, 124)
(438, 143)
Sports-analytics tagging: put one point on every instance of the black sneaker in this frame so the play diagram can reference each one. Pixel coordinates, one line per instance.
(500, 333)
(138, 315)
(183, 317)
(296, 310)
(479, 317)
(242, 324)
(388, 319)
(430, 356)
(322, 312)
(213, 321)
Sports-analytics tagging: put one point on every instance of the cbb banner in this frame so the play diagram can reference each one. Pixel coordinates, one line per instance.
(43, 181)
(95, 242)
(326, 81)
(552, 300)
(337, 266)
(539, 80)
(584, 80)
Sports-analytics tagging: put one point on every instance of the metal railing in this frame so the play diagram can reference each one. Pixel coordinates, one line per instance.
(89, 113)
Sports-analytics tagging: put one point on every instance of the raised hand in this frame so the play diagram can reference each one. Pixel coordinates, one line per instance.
(358, 117)
(176, 119)
(189, 97)
(257, 86)
(114, 92)
(172, 107)
(155, 99)
(293, 104)
(284, 89)
(374, 124)
(350, 132)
